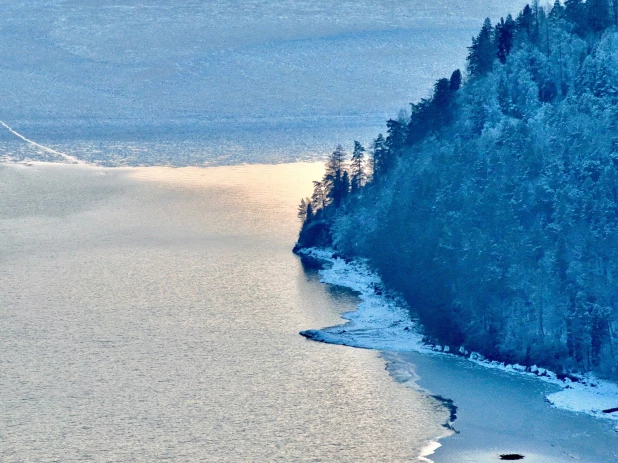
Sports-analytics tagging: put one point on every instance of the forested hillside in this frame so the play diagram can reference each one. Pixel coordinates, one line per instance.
(493, 206)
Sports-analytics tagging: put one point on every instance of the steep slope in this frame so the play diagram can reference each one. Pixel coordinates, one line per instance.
(493, 207)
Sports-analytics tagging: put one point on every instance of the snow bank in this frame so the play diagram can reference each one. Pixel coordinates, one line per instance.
(382, 322)
(590, 396)
(586, 394)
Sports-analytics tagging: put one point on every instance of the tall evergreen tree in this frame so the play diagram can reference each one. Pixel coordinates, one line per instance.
(598, 15)
(309, 212)
(482, 52)
(357, 169)
(525, 23)
(379, 158)
(442, 104)
(557, 11)
(396, 136)
(575, 13)
(538, 15)
(318, 198)
(504, 37)
(302, 209)
(455, 81)
(345, 184)
(420, 123)
(334, 182)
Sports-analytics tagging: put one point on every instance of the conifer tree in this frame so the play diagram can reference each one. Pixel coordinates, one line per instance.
(421, 119)
(318, 198)
(557, 11)
(482, 52)
(302, 209)
(379, 158)
(598, 15)
(455, 81)
(441, 105)
(396, 137)
(345, 184)
(357, 170)
(504, 37)
(574, 12)
(334, 179)
(525, 23)
(538, 15)
(309, 212)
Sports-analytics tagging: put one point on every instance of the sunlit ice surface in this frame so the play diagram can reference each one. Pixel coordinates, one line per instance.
(222, 82)
(153, 314)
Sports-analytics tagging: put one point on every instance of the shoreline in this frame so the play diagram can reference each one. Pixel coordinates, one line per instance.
(158, 280)
(499, 413)
(382, 322)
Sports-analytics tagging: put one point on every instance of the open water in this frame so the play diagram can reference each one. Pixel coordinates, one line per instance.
(152, 314)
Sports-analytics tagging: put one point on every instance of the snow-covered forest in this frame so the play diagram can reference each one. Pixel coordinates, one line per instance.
(492, 206)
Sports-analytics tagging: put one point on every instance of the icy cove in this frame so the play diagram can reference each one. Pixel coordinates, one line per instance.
(495, 409)
(152, 314)
(490, 210)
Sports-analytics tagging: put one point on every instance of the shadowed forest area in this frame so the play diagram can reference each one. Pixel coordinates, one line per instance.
(492, 206)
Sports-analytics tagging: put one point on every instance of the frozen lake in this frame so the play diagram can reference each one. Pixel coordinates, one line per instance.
(152, 314)
(222, 82)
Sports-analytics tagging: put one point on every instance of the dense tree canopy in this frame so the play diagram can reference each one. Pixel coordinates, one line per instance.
(493, 208)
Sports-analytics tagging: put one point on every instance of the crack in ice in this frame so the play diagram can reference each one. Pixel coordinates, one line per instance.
(67, 157)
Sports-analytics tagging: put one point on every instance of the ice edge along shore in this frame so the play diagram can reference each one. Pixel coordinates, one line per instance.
(382, 322)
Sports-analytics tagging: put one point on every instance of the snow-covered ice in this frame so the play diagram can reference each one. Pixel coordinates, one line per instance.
(591, 396)
(382, 322)
(221, 82)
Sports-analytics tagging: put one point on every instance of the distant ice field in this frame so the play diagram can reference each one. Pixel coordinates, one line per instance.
(221, 82)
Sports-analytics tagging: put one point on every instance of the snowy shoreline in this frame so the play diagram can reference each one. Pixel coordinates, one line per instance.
(382, 322)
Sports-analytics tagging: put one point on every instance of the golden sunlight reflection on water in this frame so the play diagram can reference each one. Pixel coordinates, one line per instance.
(152, 314)
(271, 183)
